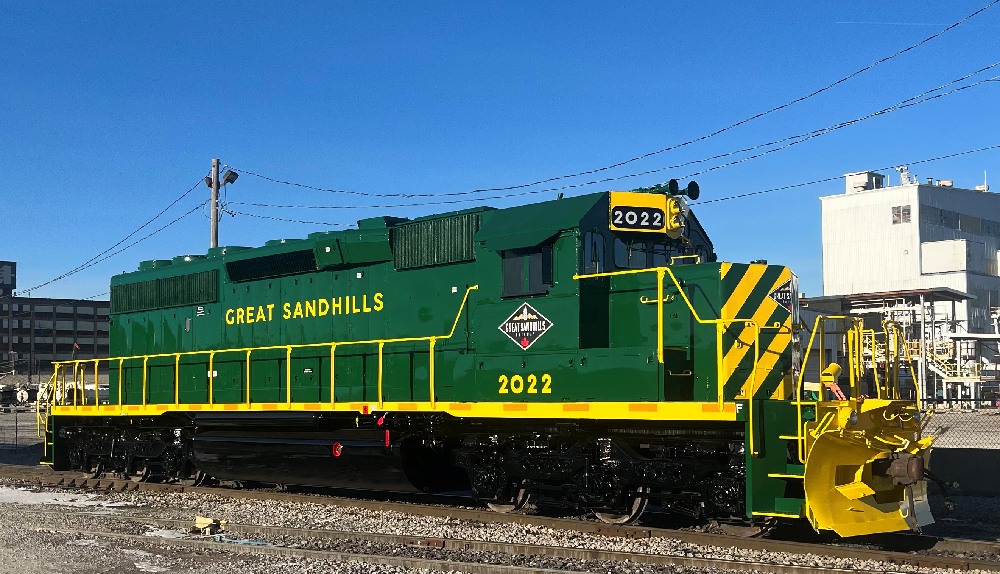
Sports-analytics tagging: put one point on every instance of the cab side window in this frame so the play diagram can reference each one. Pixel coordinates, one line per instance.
(527, 272)
(593, 253)
(631, 255)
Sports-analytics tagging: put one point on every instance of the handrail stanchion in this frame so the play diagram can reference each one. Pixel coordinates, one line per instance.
(851, 358)
(144, 369)
(97, 397)
(76, 369)
(248, 377)
(380, 344)
(177, 379)
(211, 377)
(430, 370)
(753, 383)
(659, 315)
(721, 363)
(121, 391)
(288, 375)
(333, 374)
(800, 426)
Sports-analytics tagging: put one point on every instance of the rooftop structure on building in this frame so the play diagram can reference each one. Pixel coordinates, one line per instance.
(915, 236)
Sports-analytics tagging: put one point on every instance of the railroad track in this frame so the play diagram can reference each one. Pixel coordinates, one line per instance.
(75, 480)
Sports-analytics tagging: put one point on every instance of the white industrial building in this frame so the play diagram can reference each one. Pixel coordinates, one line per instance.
(879, 239)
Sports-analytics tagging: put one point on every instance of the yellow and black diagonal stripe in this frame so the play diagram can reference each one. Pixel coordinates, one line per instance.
(747, 289)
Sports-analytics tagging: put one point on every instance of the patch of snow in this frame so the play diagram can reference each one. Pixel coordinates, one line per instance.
(86, 542)
(26, 496)
(166, 533)
(139, 553)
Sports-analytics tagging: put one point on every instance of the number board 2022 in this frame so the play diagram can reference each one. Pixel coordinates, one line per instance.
(631, 211)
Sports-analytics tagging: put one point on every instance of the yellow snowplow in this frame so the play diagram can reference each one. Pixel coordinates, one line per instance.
(864, 457)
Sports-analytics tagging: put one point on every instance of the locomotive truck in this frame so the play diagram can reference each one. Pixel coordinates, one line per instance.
(589, 351)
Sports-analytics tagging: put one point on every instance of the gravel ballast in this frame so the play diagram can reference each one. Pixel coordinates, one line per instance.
(185, 506)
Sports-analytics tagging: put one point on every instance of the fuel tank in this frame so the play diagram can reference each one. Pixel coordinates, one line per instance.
(298, 448)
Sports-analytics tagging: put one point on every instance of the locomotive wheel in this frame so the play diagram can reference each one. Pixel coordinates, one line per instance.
(96, 470)
(748, 530)
(517, 502)
(197, 479)
(141, 474)
(635, 510)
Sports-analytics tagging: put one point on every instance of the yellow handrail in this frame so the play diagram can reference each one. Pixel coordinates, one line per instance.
(909, 359)
(432, 339)
(819, 325)
(720, 325)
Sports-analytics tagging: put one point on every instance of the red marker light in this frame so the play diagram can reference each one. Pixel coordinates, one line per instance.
(380, 420)
(337, 449)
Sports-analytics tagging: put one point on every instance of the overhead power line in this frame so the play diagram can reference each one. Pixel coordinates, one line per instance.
(834, 178)
(785, 142)
(652, 153)
(259, 216)
(86, 263)
(731, 197)
(105, 255)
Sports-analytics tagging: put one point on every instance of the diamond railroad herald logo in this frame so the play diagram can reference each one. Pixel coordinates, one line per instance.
(782, 295)
(525, 326)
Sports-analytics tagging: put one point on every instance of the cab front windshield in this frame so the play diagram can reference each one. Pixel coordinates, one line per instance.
(640, 254)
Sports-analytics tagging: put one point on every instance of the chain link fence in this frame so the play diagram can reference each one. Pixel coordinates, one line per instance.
(19, 440)
(969, 423)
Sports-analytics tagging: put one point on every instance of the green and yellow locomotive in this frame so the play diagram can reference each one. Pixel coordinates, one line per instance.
(590, 351)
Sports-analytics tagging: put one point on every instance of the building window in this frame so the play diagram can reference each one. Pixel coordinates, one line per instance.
(527, 271)
(900, 214)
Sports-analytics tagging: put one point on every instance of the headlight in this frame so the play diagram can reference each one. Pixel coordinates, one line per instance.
(853, 418)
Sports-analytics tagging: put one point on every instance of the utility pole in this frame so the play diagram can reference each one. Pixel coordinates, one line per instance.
(215, 203)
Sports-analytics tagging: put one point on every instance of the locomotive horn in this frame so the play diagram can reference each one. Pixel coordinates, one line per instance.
(673, 188)
(692, 190)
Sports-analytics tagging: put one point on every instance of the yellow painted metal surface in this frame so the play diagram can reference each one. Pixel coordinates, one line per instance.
(843, 491)
(638, 212)
(610, 410)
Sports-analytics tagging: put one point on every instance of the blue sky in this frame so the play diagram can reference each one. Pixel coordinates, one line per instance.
(110, 110)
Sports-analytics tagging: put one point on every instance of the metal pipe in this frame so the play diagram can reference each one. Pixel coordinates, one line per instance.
(923, 346)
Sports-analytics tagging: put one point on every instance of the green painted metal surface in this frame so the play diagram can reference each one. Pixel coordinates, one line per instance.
(393, 278)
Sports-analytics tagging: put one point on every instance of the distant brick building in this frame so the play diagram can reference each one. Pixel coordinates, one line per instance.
(36, 331)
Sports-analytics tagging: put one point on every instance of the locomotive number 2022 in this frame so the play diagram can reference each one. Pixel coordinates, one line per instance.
(646, 218)
(515, 384)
